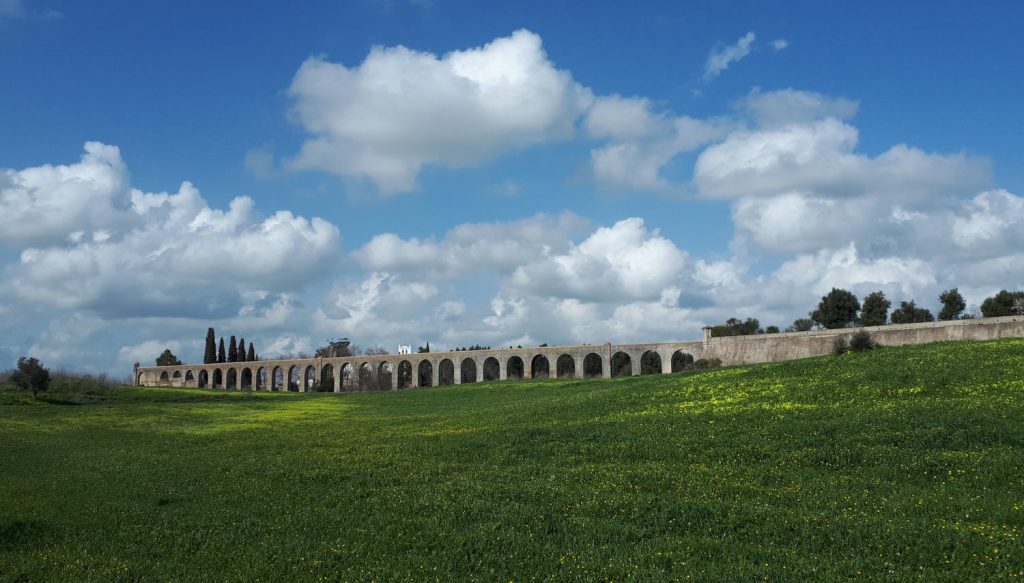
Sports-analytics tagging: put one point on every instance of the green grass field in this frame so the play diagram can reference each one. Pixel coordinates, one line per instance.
(899, 464)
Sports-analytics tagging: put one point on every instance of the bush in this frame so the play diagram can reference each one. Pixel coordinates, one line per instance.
(862, 342)
(706, 363)
(840, 345)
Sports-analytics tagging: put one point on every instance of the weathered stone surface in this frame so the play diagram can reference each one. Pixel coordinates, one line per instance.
(731, 350)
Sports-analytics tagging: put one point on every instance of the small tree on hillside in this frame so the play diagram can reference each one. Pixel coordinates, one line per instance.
(167, 358)
(221, 357)
(210, 354)
(875, 310)
(233, 350)
(241, 350)
(837, 309)
(31, 375)
(953, 304)
(908, 313)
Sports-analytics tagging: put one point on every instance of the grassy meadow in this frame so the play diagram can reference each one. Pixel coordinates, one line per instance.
(898, 464)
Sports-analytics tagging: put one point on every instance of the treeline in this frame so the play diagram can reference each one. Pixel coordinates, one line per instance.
(840, 308)
(236, 351)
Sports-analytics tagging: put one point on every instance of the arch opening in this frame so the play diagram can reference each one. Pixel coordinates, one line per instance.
(204, 379)
(138, 381)
(681, 361)
(650, 363)
(468, 370)
(446, 372)
(294, 378)
(425, 376)
(404, 374)
(349, 378)
(593, 366)
(327, 378)
(261, 379)
(492, 370)
(246, 378)
(176, 375)
(189, 376)
(383, 381)
(218, 379)
(621, 365)
(232, 379)
(163, 376)
(277, 379)
(514, 368)
(367, 380)
(565, 367)
(309, 379)
(540, 368)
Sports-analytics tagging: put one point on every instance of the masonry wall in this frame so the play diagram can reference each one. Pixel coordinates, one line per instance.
(793, 345)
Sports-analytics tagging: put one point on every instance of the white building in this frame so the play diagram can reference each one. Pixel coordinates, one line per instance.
(404, 349)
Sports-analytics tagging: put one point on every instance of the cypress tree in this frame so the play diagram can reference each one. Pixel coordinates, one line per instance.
(220, 351)
(211, 347)
(252, 353)
(233, 350)
(241, 350)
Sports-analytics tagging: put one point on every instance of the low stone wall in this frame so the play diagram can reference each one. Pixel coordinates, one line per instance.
(794, 345)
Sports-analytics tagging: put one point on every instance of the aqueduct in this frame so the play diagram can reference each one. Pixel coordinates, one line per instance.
(400, 371)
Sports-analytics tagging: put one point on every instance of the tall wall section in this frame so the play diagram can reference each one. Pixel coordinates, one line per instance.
(793, 345)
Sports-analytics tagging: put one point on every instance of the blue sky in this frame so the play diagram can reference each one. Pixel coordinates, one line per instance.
(460, 173)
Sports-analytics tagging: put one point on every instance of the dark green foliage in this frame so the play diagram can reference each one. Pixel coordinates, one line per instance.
(31, 375)
(837, 309)
(221, 357)
(210, 354)
(840, 346)
(251, 357)
(875, 310)
(902, 464)
(909, 313)
(862, 341)
(1001, 304)
(706, 363)
(426, 349)
(337, 348)
(953, 304)
(801, 325)
(167, 358)
(771, 330)
(232, 350)
(241, 350)
(736, 327)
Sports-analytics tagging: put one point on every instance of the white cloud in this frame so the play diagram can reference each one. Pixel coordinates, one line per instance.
(993, 219)
(624, 118)
(780, 44)
(721, 57)
(787, 106)
(401, 109)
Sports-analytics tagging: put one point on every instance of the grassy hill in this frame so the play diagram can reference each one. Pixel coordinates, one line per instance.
(904, 463)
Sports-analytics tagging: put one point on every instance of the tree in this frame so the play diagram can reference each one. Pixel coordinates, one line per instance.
(376, 351)
(837, 309)
(233, 350)
(736, 327)
(875, 310)
(908, 313)
(801, 325)
(426, 349)
(167, 358)
(953, 304)
(771, 330)
(220, 351)
(251, 357)
(31, 375)
(336, 348)
(241, 350)
(1000, 304)
(210, 355)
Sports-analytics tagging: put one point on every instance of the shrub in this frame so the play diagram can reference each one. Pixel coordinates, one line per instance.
(840, 345)
(862, 342)
(706, 363)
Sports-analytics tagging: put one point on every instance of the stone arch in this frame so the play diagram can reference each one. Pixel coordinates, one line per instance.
(514, 368)
(261, 379)
(650, 363)
(163, 376)
(681, 361)
(218, 378)
(446, 372)
(327, 378)
(540, 368)
(176, 374)
(492, 369)
(204, 379)
(425, 374)
(366, 377)
(276, 378)
(232, 379)
(138, 381)
(404, 374)
(189, 375)
(246, 382)
(621, 365)
(349, 377)
(468, 370)
(384, 376)
(565, 367)
(294, 378)
(309, 378)
(593, 366)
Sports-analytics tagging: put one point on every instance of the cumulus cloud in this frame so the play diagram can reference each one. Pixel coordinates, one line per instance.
(721, 57)
(780, 44)
(787, 106)
(401, 109)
